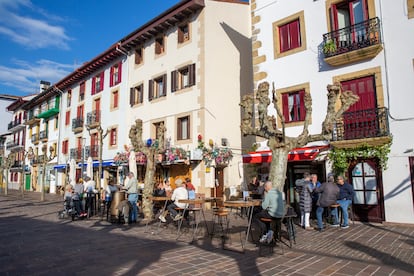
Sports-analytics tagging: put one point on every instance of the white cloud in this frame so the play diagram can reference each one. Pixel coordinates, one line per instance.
(33, 29)
(26, 77)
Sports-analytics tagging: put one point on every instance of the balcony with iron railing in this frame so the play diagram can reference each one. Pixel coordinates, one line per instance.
(369, 126)
(49, 108)
(13, 146)
(39, 159)
(92, 151)
(93, 119)
(76, 154)
(353, 43)
(77, 124)
(17, 164)
(32, 117)
(43, 136)
(35, 138)
(15, 125)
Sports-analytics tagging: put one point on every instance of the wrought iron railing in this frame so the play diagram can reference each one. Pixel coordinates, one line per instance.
(352, 38)
(93, 117)
(77, 123)
(76, 153)
(43, 135)
(92, 151)
(368, 123)
(13, 124)
(35, 137)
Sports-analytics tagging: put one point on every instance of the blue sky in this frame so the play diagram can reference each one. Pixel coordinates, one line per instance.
(48, 39)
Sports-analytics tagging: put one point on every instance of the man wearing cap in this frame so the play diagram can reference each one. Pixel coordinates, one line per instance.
(179, 193)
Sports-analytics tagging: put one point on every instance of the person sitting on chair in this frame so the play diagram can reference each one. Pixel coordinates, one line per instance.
(179, 193)
(273, 207)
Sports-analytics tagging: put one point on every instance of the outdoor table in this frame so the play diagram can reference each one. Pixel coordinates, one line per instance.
(160, 199)
(250, 204)
(189, 202)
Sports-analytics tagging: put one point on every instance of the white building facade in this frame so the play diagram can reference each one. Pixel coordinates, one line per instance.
(187, 69)
(302, 46)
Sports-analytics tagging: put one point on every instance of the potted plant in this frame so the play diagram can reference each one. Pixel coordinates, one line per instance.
(329, 47)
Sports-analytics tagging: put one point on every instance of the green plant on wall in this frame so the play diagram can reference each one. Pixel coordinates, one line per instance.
(341, 157)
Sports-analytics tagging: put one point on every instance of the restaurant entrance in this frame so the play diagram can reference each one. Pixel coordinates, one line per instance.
(366, 178)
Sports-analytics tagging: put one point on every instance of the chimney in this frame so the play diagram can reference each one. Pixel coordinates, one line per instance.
(44, 85)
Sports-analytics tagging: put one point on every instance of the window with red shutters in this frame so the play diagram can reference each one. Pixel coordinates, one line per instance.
(289, 36)
(67, 118)
(82, 91)
(293, 106)
(115, 74)
(65, 147)
(115, 96)
(112, 137)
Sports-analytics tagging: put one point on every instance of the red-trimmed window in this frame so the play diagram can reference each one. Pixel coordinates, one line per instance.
(293, 106)
(82, 89)
(65, 147)
(289, 34)
(116, 74)
(112, 137)
(97, 83)
(67, 118)
(115, 99)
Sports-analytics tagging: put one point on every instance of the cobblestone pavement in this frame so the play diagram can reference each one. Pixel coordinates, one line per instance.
(34, 241)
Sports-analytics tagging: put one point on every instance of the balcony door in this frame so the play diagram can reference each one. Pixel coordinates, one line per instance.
(97, 108)
(366, 179)
(345, 14)
(361, 119)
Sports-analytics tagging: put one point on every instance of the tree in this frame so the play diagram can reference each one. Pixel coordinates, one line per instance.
(150, 149)
(274, 130)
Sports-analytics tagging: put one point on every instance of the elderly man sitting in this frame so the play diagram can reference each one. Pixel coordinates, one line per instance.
(179, 193)
(273, 207)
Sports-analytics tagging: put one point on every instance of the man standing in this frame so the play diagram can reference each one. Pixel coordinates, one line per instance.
(132, 191)
(328, 194)
(346, 195)
(272, 207)
(315, 196)
(305, 189)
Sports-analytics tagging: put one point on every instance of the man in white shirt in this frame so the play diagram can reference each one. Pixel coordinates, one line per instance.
(179, 193)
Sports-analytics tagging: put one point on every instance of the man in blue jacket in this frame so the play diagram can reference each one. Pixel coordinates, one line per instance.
(346, 195)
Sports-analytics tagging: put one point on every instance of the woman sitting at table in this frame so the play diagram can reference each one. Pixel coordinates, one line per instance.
(273, 207)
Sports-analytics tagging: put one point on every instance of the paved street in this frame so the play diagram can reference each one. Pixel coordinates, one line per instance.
(33, 241)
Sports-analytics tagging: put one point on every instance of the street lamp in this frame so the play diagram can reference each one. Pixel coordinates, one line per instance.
(101, 136)
(46, 159)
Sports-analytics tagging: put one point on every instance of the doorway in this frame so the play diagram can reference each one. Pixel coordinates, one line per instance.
(366, 178)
